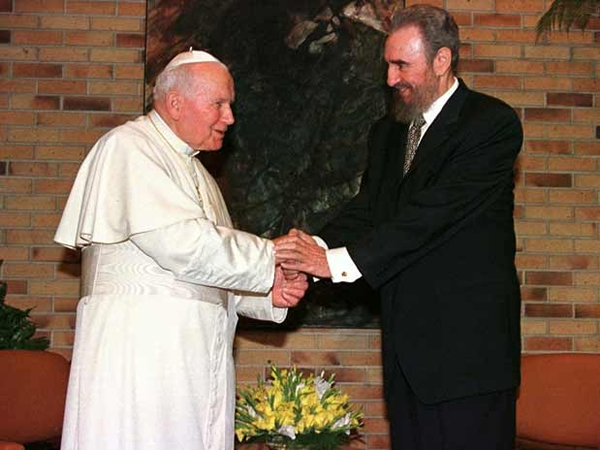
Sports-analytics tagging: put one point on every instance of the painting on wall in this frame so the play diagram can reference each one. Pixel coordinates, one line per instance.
(309, 81)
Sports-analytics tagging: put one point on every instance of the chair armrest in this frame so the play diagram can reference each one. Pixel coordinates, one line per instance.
(4, 445)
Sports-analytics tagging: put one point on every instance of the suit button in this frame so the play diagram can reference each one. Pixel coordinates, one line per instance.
(344, 274)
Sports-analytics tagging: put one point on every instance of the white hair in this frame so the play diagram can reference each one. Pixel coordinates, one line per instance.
(179, 78)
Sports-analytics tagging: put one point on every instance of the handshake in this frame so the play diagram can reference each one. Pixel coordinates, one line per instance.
(296, 255)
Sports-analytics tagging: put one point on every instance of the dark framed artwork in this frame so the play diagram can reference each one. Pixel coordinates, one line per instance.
(309, 80)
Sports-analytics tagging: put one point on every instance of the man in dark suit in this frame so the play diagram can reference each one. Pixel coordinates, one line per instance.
(435, 235)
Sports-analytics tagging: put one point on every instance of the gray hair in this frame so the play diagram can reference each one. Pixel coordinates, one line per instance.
(179, 78)
(436, 25)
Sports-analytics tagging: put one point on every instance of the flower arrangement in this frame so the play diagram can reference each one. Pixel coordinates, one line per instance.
(294, 411)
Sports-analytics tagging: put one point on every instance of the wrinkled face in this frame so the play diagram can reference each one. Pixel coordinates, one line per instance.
(410, 73)
(206, 110)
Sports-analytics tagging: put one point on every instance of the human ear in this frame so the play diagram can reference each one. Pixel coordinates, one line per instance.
(173, 103)
(442, 61)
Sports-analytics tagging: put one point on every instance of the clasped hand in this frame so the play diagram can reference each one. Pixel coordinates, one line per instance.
(296, 254)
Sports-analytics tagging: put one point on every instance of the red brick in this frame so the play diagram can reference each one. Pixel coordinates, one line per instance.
(547, 344)
(131, 72)
(33, 169)
(61, 119)
(14, 219)
(39, 304)
(91, 7)
(45, 220)
(476, 65)
(14, 186)
(548, 310)
(132, 9)
(548, 179)
(16, 118)
(551, 147)
(496, 81)
(46, 102)
(591, 85)
(36, 37)
(6, 6)
(13, 86)
(575, 262)
(62, 87)
(16, 287)
(28, 270)
(32, 70)
(88, 71)
(54, 287)
(534, 293)
(519, 67)
(5, 36)
(497, 20)
(14, 253)
(87, 38)
(55, 254)
(50, 186)
(65, 304)
(570, 99)
(60, 152)
(131, 40)
(86, 104)
(68, 271)
(547, 114)
(43, 6)
(35, 134)
(549, 278)
(29, 236)
(518, 36)
(587, 148)
(587, 213)
(315, 358)
(587, 311)
(125, 24)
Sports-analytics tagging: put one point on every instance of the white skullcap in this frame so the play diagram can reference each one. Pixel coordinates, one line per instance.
(190, 57)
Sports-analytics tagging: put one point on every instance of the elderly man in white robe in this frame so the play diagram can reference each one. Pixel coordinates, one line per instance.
(164, 276)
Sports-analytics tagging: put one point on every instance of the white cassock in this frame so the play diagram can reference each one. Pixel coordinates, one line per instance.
(164, 277)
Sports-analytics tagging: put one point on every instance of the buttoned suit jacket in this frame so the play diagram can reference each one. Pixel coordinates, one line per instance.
(439, 245)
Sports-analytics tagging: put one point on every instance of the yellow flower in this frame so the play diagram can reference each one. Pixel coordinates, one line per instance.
(294, 406)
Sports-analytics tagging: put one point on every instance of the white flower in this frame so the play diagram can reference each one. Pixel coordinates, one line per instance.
(342, 422)
(251, 411)
(322, 386)
(287, 430)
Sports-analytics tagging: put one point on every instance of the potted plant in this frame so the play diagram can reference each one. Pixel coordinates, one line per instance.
(294, 411)
(16, 328)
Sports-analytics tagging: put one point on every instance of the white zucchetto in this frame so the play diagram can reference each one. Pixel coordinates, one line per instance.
(190, 57)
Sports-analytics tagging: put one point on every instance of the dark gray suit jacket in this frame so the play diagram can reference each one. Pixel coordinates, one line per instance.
(439, 246)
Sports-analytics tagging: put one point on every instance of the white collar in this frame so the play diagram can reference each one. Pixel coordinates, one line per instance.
(432, 112)
(172, 139)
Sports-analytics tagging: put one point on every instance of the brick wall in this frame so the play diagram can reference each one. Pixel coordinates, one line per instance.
(70, 70)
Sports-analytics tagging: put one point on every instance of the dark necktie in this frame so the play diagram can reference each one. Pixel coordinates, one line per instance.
(412, 141)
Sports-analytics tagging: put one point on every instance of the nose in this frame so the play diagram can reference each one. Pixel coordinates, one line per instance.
(393, 75)
(227, 114)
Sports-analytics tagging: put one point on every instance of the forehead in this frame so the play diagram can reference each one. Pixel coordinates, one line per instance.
(213, 81)
(405, 44)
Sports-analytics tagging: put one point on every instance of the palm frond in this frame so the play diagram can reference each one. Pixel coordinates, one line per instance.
(565, 14)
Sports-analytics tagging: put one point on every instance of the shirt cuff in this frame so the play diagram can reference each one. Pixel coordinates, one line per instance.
(343, 269)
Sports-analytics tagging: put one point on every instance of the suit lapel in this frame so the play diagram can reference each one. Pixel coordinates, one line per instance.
(440, 130)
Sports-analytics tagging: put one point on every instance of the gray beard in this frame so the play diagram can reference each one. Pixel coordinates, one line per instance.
(422, 98)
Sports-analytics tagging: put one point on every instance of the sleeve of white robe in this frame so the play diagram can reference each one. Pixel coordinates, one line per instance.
(197, 251)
